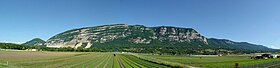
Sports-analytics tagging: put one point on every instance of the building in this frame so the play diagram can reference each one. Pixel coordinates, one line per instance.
(31, 49)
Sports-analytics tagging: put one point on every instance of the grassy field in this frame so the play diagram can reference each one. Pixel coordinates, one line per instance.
(21, 59)
(71, 60)
(213, 61)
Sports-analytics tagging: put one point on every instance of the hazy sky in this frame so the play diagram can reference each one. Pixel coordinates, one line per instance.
(254, 21)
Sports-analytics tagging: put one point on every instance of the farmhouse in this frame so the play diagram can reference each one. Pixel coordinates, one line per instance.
(31, 50)
(275, 55)
(265, 56)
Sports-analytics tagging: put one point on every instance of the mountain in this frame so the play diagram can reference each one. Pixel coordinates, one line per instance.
(228, 44)
(34, 42)
(139, 38)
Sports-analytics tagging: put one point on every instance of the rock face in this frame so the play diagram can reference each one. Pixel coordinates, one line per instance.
(135, 34)
(35, 42)
(178, 34)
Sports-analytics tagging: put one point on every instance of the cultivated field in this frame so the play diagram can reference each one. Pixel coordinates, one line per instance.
(71, 60)
(214, 61)
(21, 59)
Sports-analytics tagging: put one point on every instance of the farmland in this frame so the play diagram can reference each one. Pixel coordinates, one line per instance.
(71, 60)
(23, 59)
(214, 61)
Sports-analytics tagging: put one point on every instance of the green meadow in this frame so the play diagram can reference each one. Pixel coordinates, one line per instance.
(24, 59)
(243, 61)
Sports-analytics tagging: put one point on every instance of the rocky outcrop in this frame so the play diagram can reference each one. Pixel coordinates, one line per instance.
(137, 34)
(178, 34)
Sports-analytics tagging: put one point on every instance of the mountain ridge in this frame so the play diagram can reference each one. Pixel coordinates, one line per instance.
(128, 29)
(35, 42)
(139, 38)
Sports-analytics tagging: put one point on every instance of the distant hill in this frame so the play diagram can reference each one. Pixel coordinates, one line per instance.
(13, 46)
(228, 44)
(34, 42)
(139, 38)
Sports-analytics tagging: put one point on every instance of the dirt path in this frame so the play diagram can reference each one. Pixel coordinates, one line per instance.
(120, 63)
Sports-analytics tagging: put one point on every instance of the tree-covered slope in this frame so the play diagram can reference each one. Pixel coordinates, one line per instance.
(13, 46)
(134, 34)
(228, 44)
(139, 38)
(35, 42)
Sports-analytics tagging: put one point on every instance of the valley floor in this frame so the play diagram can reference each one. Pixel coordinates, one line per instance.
(72, 60)
(243, 61)
(24, 59)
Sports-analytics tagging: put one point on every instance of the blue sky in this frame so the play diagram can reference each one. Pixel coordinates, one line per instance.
(254, 21)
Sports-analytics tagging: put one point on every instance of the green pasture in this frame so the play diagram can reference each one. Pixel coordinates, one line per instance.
(213, 61)
(22, 59)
